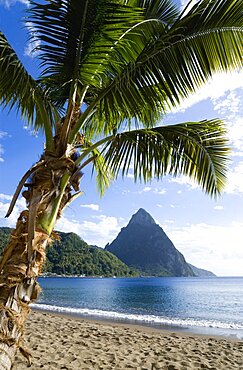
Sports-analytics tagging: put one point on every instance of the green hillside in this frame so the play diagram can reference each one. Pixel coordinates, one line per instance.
(72, 255)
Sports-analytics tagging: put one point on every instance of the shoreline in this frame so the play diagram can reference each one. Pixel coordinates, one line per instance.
(59, 341)
(164, 329)
(217, 332)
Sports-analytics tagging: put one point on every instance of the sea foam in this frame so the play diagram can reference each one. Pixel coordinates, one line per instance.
(136, 318)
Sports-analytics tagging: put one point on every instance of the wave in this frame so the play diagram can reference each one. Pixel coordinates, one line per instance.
(143, 319)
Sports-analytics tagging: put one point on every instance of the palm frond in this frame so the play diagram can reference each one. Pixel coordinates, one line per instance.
(174, 63)
(124, 36)
(19, 90)
(76, 37)
(196, 149)
(205, 40)
(117, 65)
(183, 66)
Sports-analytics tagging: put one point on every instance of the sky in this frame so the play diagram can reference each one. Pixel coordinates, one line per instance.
(208, 232)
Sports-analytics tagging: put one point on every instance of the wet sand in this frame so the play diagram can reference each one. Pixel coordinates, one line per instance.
(62, 342)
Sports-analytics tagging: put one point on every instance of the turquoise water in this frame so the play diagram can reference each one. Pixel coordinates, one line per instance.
(201, 305)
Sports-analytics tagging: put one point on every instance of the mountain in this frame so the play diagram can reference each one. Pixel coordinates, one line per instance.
(201, 272)
(72, 255)
(143, 245)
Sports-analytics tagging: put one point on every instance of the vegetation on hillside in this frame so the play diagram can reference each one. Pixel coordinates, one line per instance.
(72, 255)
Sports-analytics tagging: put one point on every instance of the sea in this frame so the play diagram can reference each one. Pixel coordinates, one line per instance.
(210, 306)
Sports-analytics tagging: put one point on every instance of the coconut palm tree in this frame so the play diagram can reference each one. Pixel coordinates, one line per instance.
(109, 71)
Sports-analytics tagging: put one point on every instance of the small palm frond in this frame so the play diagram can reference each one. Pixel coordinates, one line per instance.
(196, 149)
(163, 10)
(133, 107)
(91, 154)
(104, 175)
(19, 90)
(211, 13)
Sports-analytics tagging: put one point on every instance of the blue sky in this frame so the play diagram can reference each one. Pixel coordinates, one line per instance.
(209, 233)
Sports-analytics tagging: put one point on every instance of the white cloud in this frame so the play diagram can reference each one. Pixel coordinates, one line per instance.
(104, 230)
(160, 191)
(230, 104)
(235, 179)
(130, 175)
(146, 189)
(230, 108)
(2, 134)
(1, 153)
(218, 208)
(169, 221)
(30, 49)
(212, 247)
(184, 180)
(100, 231)
(213, 89)
(125, 191)
(236, 154)
(4, 205)
(185, 2)
(5, 197)
(9, 3)
(155, 190)
(235, 132)
(94, 207)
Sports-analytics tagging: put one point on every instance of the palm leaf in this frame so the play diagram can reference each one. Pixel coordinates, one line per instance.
(19, 90)
(196, 149)
(123, 38)
(75, 38)
(177, 60)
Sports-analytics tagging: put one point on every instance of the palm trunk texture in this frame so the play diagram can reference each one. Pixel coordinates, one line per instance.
(48, 192)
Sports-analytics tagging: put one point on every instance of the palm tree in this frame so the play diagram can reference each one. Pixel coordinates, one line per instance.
(109, 71)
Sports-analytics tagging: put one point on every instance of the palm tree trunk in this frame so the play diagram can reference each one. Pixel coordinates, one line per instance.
(18, 287)
(49, 191)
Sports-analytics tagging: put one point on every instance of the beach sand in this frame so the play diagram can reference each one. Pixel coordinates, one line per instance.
(61, 342)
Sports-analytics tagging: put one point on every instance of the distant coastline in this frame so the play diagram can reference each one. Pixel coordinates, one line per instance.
(50, 275)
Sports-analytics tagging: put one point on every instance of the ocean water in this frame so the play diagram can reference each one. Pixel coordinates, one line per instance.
(199, 305)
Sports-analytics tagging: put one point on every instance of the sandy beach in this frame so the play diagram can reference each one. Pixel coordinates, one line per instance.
(61, 342)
